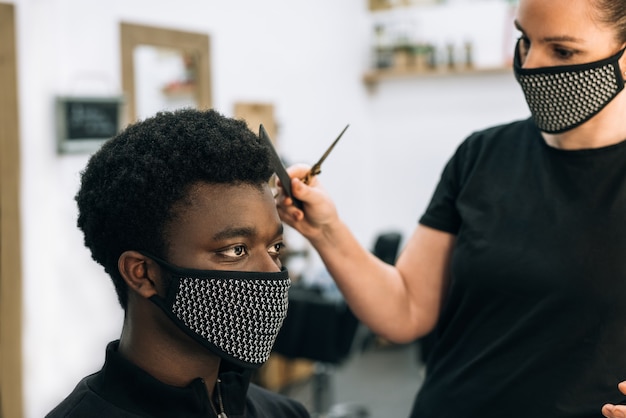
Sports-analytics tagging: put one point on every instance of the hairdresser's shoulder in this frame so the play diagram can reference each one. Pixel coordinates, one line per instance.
(506, 132)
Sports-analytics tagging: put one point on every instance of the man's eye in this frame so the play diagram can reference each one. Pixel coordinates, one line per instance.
(236, 251)
(276, 248)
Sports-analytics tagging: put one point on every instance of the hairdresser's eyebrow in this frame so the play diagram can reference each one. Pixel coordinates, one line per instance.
(546, 39)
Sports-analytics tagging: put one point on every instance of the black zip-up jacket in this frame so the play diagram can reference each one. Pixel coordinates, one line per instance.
(123, 390)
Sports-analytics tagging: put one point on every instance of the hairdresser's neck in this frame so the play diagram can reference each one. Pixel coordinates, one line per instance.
(606, 128)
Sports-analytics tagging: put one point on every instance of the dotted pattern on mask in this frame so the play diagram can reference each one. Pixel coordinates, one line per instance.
(241, 317)
(563, 100)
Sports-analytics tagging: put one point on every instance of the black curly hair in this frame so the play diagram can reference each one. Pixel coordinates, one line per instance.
(130, 186)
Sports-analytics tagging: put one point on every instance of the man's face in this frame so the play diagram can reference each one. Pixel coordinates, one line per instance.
(236, 315)
(226, 227)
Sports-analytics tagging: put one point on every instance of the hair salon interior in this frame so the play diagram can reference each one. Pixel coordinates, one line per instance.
(412, 78)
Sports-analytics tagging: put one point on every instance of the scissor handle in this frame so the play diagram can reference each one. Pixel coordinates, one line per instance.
(314, 171)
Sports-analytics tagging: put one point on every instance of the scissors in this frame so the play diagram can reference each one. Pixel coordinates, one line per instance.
(317, 167)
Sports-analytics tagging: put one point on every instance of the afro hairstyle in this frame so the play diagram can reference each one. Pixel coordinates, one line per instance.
(132, 183)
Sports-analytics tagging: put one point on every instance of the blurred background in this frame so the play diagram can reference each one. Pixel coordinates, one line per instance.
(413, 78)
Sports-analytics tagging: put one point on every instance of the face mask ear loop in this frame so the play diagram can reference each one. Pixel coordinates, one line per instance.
(624, 61)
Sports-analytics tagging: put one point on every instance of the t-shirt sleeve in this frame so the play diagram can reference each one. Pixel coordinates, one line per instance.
(442, 213)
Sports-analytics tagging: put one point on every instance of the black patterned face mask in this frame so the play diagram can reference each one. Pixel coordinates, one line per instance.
(235, 314)
(564, 97)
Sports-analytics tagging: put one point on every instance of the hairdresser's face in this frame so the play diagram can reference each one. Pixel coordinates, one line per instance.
(562, 32)
(226, 227)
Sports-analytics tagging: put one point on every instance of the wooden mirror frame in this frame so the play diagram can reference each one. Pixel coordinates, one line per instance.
(196, 44)
(11, 398)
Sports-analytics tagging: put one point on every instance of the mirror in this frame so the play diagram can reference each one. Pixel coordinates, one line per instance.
(163, 69)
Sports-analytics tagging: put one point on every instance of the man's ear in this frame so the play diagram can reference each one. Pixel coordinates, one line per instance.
(139, 272)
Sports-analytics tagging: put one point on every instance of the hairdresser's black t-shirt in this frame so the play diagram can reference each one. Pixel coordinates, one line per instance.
(534, 323)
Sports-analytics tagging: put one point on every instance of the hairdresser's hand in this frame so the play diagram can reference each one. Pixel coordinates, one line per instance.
(318, 212)
(616, 411)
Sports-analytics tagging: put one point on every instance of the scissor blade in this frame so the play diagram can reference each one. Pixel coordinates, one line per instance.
(321, 160)
(278, 167)
(317, 167)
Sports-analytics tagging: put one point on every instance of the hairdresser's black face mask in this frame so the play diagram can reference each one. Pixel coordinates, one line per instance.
(235, 314)
(564, 97)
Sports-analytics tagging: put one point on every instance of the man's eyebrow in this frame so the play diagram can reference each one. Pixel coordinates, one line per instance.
(234, 233)
(560, 38)
(242, 232)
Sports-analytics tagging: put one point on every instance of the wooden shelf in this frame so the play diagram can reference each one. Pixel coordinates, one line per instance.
(371, 78)
(179, 89)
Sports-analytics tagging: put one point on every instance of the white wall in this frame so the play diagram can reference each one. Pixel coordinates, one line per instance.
(305, 57)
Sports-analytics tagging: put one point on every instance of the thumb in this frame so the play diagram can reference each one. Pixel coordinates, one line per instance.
(300, 189)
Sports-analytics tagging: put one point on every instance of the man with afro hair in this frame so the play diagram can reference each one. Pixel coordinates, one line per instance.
(178, 210)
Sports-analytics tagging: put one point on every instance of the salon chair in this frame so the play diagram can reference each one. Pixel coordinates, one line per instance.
(322, 329)
(387, 246)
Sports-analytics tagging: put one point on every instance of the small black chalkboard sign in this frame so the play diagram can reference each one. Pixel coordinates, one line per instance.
(84, 123)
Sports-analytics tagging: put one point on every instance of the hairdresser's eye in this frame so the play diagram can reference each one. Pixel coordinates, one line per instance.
(236, 251)
(563, 53)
